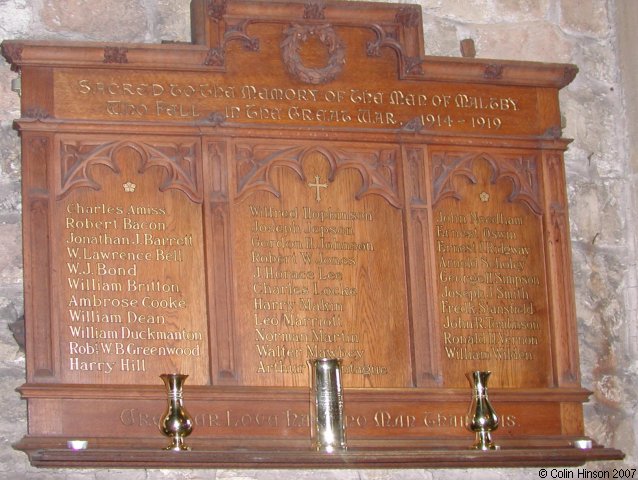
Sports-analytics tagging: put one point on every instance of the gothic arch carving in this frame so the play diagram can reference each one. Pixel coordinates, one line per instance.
(377, 167)
(179, 160)
(520, 170)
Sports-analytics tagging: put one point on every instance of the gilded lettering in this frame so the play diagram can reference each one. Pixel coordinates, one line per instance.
(366, 97)
(397, 97)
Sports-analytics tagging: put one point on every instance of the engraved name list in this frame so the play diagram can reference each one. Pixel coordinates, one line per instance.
(127, 280)
(311, 263)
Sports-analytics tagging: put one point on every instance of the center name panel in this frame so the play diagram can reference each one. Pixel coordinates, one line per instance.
(309, 262)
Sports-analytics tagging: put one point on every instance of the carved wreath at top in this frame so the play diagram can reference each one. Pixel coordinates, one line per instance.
(295, 36)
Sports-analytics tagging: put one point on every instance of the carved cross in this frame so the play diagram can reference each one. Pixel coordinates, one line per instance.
(318, 185)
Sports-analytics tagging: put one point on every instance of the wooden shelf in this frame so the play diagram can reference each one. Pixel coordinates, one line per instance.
(448, 454)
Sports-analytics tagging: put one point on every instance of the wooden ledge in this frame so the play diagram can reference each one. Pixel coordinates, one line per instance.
(448, 454)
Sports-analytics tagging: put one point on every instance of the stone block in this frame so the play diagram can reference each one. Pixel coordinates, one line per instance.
(488, 11)
(130, 475)
(10, 263)
(593, 123)
(440, 37)
(595, 214)
(116, 20)
(589, 17)
(173, 20)
(18, 15)
(9, 156)
(10, 202)
(595, 64)
(9, 100)
(530, 41)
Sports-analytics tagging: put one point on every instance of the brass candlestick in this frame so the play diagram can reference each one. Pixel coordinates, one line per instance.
(326, 405)
(482, 418)
(176, 423)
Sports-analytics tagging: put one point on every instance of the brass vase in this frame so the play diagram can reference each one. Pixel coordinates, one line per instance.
(327, 423)
(176, 423)
(482, 419)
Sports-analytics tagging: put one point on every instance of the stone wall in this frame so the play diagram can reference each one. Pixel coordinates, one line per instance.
(600, 113)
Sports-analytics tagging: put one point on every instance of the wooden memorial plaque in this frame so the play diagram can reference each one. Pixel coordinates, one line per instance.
(300, 182)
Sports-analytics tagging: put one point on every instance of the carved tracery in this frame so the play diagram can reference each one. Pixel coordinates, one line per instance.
(378, 168)
(77, 159)
(521, 170)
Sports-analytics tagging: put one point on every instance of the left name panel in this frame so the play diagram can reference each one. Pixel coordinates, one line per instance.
(128, 254)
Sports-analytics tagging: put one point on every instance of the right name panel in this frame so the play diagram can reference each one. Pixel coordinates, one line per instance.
(491, 297)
